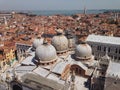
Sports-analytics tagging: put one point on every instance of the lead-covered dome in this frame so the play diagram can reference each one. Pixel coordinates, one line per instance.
(60, 42)
(83, 52)
(37, 42)
(45, 53)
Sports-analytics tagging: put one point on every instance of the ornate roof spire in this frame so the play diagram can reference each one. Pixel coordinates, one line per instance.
(106, 52)
(45, 41)
(113, 58)
(106, 55)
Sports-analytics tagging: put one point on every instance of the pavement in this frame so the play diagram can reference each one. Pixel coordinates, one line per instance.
(3, 86)
(79, 83)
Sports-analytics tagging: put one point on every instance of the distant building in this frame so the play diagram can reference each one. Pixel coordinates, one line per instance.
(8, 57)
(5, 17)
(99, 45)
(21, 50)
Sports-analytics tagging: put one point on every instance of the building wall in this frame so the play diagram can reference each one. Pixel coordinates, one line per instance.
(78, 70)
(97, 83)
(9, 59)
(31, 86)
(99, 50)
(22, 46)
(66, 72)
(6, 15)
(21, 50)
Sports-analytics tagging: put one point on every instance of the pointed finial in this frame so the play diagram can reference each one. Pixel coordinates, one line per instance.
(59, 31)
(39, 36)
(45, 41)
(106, 53)
(113, 58)
(99, 56)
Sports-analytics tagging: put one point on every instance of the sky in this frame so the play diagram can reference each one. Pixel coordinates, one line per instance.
(58, 4)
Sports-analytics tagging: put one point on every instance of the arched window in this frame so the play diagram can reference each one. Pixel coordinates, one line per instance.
(104, 48)
(16, 87)
(109, 49)
(4, 63)
(119, 51)
(116, 50)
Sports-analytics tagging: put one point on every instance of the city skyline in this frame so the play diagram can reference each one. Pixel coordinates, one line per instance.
(58, 4)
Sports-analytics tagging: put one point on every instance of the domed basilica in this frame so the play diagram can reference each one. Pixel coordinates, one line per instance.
(58, 64)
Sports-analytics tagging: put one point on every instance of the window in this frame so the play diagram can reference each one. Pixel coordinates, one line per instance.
(119, 58)
(1, 52)
(115, 82)
(108, 49)
(115, 57)
(104, 48)
(102, 73)
(91, 46)
(99, 48)
(3, 63)
(116, 50)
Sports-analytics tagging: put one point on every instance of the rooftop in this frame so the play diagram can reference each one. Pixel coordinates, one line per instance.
(60, 67)
(43, 81)
(113, 70)
(103, 39)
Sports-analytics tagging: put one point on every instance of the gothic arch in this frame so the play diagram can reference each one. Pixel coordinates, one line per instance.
(77, 70)
(16, 86)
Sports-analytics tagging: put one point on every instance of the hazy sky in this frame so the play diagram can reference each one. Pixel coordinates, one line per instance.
(58, 4)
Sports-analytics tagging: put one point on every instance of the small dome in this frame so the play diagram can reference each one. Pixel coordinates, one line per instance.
(45, 53)
(60, 43)
(37, 42)
(83, 51)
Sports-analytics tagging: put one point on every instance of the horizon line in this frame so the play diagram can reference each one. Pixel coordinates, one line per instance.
(58, 10)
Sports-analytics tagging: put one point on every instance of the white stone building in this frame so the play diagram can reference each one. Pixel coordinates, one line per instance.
(99, 45)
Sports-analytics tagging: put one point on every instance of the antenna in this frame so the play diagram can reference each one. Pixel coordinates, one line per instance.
(84, 10)
(84, 7)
